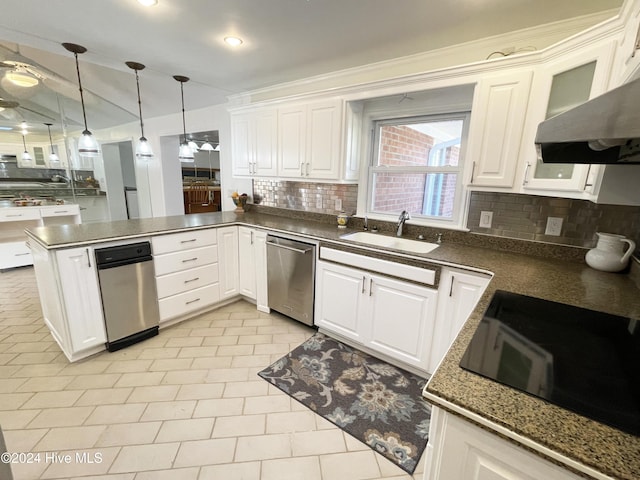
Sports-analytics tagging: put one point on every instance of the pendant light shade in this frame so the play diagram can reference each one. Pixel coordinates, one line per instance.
(185, 154)
(143, 148)
(193, 146)
(26, 158)
(87, 145)
(54, 160)
(207, 147)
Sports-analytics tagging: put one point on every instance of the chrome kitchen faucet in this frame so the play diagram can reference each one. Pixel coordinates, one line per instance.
(404, 216)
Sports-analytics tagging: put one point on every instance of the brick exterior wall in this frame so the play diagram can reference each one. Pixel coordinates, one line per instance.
(402, 146)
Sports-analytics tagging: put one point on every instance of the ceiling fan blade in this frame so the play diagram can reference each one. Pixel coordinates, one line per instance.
(8, 104)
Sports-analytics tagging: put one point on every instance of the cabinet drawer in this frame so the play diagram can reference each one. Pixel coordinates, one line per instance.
(177, 261)
(187, 280)
(186, 302)
(60, 211)
(176, 242)
(19, 214)
(15, 254)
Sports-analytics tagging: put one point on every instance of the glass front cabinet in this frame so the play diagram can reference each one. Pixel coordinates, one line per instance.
(564, 84)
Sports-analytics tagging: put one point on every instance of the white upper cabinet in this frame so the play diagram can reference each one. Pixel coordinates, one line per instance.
(292, 146)
(559, 86)
(628, 52)
(310, 140)
(254, 143)
(497, 125)
(300, 141)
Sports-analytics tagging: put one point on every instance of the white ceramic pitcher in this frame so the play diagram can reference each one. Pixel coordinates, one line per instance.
(609, 254)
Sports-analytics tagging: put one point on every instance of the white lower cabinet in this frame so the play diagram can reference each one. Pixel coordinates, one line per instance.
(14, 251)
(459, 450)
(389, 316)
(252, 265)
(228, 262)
(458, 295)
(247, 262)
(187, 274)
(72, 308)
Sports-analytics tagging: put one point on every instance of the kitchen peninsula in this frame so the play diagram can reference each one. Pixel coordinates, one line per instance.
(577, 444)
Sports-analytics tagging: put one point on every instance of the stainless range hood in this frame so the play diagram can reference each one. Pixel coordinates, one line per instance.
(605, 129)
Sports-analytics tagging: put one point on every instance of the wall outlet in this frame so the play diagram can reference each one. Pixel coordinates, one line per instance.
(554, 226)
(339, 204)
(485, 219)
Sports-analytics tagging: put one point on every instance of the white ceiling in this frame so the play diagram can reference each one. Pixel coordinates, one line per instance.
(284, 40)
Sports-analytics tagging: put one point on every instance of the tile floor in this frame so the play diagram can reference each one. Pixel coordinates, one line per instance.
(186, 404)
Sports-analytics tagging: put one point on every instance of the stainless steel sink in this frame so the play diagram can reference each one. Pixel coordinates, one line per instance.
(379, 240)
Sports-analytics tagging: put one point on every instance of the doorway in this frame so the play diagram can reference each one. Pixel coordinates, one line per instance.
(119, 173)
(204, 171)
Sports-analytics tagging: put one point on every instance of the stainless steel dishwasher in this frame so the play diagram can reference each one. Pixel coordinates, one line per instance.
(129, 296)
(290, 277)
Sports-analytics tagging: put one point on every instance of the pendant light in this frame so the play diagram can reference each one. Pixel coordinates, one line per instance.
(143, 148)
(185, 154)
(206, 146)
(26, 158)
(87, 145)
(53, 158)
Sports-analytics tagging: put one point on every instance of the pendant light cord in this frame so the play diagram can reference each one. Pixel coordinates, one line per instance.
(50, 139)
(84, 115)
(184, 124)
(24, 143)
(139, 106)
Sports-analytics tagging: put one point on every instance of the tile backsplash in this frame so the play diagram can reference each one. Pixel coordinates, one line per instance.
(525, 217)
(306, 196)
(514, 216)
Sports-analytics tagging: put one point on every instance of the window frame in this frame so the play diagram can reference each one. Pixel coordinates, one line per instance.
(457, 218)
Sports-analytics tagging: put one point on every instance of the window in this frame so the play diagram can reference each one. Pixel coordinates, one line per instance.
(417, 166)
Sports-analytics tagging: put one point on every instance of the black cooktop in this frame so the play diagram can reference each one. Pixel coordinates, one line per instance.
(582, 360)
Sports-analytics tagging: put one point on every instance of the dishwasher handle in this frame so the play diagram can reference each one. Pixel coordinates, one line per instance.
(297, 250)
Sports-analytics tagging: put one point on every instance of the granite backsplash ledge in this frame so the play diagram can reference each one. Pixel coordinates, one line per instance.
(430, 234)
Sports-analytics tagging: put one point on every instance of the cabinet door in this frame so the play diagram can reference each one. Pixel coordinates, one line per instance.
(247, 262)
(82, 301)
(241, 148)
(292, 141)
(260, 248)
(401, 318)
(339, 297)
(459, 292)
(265, 142)
(563, 85)
(459, 450)
(228, 262)
(496, 128)
(324, 141)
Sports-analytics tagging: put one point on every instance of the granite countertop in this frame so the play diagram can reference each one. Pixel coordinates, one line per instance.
(547, 429)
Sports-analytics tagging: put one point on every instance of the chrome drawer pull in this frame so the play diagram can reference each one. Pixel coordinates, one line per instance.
(21, 254)
(192, 301)
(190, 260)
(188, 241)
(14, 215)
(192, 280)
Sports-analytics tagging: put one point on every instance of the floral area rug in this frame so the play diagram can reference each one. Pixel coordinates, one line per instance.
(379, 404)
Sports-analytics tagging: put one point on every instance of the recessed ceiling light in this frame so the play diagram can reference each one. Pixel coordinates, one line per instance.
(233, 41)
(148, 3)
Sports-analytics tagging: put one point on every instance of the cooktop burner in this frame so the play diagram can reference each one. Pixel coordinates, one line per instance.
(579, 359)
